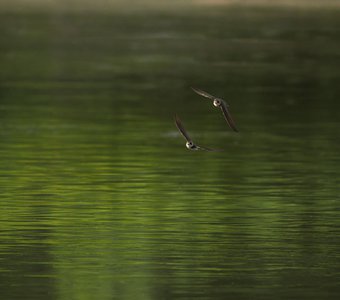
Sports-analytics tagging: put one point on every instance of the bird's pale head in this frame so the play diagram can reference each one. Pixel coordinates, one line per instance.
(190, 145)
(217, 102)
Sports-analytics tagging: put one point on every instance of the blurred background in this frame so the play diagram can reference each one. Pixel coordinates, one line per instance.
(99, 198)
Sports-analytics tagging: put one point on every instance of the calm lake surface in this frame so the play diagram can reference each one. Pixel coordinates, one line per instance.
(100, 199)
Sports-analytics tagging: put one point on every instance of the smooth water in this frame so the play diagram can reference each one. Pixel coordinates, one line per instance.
(100, 199)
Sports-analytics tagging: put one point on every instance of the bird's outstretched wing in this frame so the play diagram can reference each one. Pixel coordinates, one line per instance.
(228, 117)
(210, 149)
(203, 93)
(181, 128)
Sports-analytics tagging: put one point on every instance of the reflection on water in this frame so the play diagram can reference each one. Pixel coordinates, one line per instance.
(99, 197)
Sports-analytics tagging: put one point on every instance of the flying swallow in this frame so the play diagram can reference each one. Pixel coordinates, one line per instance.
(218, 102)
(189, 144)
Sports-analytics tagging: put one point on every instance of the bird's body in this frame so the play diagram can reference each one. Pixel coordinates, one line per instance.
(218, 102)
(189, 143)
(191, 146)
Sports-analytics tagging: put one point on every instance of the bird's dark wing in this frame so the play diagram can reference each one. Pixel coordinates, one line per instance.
(203, 93)
(228, 117)
(181, 129)
(210, 149)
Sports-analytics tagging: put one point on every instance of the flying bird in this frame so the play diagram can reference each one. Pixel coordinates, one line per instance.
(218, 102)
(189, 144)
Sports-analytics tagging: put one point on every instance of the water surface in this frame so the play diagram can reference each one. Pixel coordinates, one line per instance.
(101, 199)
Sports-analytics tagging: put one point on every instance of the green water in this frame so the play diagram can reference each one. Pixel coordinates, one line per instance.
(100, 199)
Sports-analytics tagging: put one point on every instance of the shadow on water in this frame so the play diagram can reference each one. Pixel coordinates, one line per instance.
(100, 198)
